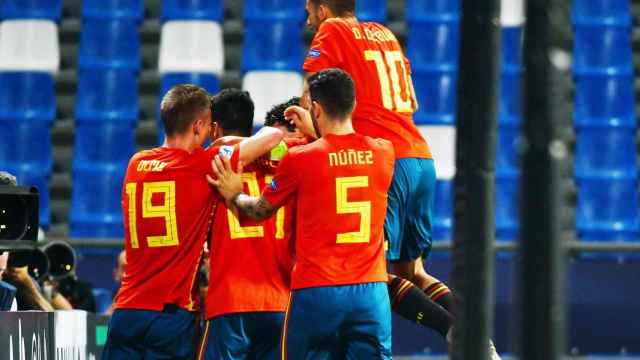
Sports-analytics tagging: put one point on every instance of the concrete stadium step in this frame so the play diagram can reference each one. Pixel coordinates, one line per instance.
(60, 210)
(71, 8)
(58, 231)
(60, 185)
(62, 159)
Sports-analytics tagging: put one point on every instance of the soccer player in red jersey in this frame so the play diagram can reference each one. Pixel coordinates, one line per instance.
(339, 184)
(386, 101)
(167, 208)
(250, 261)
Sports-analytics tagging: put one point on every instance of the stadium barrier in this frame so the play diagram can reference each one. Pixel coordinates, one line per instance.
(60, 335)
(572, 246)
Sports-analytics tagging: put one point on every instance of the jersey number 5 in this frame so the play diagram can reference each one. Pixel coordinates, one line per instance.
(391, 78)
(166, 210)
(344, 206)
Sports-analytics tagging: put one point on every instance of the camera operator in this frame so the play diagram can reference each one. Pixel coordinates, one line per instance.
(29, 294)
(7, 291)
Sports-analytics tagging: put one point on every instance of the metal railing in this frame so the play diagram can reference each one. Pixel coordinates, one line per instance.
(572, 246)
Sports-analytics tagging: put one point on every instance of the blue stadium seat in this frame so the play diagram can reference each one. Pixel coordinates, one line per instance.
(510, 104)
(27, 96)
(512, 40)
(432, 10)
(109, 44)
(608, 207)
(507, 206)
(436, 93)
(507, 156)
(208, 81)
(95, 201)
(272, 45)
(602, 11)
(103, 299)
(372, 10)
(274, 10)
(24, 141)
(443, 210)
(193, 10)
(104, 141)
(31, 9)
(433, 45)
(113, 9)
(107, 95)
(606, 150)
(605, 99)
(31, 174)
(598, 47)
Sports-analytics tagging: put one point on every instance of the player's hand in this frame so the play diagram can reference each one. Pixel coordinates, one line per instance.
(301, 118)
(18, 275)
(228, 182)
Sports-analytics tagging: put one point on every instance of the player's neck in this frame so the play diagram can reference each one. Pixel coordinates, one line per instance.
(348, 18)
(338, 128)
(179, 142)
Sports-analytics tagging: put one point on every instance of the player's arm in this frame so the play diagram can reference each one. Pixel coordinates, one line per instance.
(259, 144)
(229, 184)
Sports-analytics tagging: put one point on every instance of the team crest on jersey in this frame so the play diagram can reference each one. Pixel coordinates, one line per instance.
(313, 53)
(273, 185)
(226, 151)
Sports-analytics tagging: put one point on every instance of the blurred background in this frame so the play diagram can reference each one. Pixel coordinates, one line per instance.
(81, 81)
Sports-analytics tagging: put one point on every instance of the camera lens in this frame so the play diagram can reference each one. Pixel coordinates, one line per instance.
(13, 218)
(61, 259)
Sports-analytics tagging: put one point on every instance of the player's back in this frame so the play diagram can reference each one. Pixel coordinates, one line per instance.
(372, 55)
(167, 206)
(250, 260)
(340, 209)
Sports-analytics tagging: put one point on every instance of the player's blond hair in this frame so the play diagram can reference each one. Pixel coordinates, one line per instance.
(181, 106)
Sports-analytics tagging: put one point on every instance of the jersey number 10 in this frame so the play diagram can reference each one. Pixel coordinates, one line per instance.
(391, 78)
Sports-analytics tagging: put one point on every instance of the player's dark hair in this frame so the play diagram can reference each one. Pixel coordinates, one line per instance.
(338, 7)
(275, 116)
(233, 110)
(334, 90)
(181, 106)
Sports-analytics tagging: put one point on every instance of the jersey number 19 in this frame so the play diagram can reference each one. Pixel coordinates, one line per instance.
(167, 211)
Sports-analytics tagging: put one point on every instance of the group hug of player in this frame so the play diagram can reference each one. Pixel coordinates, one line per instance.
(295, 216)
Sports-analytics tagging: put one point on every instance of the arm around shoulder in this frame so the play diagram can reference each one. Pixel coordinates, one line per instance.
(259, 144)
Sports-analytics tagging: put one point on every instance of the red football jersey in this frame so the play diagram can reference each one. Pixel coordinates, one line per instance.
(372, 55)
(339, 184)
(168, 207)
(250, 260)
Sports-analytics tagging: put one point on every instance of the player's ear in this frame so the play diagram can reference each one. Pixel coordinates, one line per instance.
(323, 13)
(317, 109)
(198, 126)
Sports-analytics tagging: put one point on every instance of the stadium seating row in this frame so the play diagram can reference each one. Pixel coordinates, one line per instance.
(605, 124)
(370, 10)
(29, 58)
(106, 114)
(107, 109)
